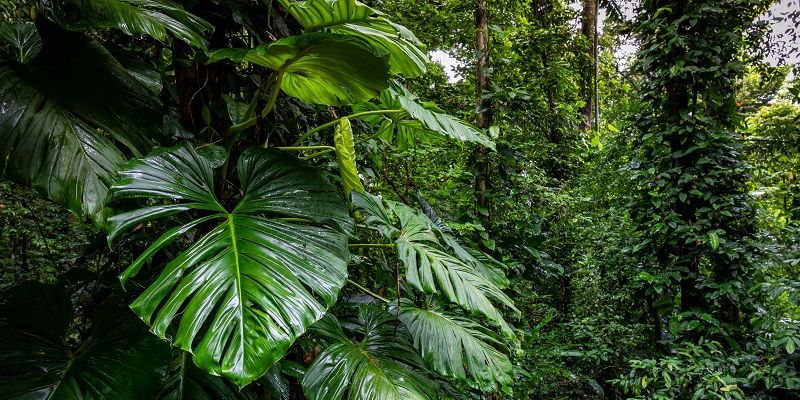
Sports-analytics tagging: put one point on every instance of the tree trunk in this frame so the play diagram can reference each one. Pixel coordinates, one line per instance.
(483, 108)
(589, 31)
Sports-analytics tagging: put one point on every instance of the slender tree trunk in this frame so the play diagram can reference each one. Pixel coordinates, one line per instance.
(483, 108)
(589, 31)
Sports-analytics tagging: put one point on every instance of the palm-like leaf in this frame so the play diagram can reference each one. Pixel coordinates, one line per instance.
(319, 68)
(427, 118)
(241, 294)
(52, 108)
(150, 17)
(346, 156)
(483, 263)
(383, 366)
(351, 17)
(187, 382)
(429, 267)
(23, 37)
(457, 347)
(120, 360)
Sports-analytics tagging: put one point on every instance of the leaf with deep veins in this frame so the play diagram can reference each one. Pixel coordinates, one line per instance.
(241, 294)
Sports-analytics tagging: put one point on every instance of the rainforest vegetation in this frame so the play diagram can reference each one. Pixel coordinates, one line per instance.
(394, 199)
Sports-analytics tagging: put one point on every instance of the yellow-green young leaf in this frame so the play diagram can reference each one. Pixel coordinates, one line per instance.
(346, 155)
(713, 240)
(790, 347)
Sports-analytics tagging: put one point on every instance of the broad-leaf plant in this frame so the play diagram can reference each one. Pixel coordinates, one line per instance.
(262, 260)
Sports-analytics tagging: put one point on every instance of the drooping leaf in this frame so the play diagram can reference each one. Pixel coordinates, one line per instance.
(319, 68)
(457, 347)
(437, 120)
(375, 214)
(139, 68)
(350, 17)
(23, 37)
(185, 381)
(429, 267)
(426, 118)
(484, 264)
(240, 295)
(52, 109)
(382, 366)
(346, 156)
(149, 17)
(120, 360)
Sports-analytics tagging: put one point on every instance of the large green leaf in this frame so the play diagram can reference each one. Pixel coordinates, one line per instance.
(457, 347)
(319, 68)
(429, 267)
(120, 360)
(346, 156)
(382, 366)
(52, 109)
(426, 117)
(23, 37)
(150, 17)
(483, 263)
(240, 295)
(350, 17)
(432, 270)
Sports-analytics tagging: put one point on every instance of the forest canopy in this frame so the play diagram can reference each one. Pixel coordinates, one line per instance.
(378, 200)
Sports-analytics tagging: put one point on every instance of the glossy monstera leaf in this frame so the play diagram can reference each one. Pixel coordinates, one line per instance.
(351, 17)
(429, 267)
(120, 360)
(319, 68)
(241, 294)
(382, 366)
(458, 347)
(150, 17)
(346, 156)
(52, 108)
(419, 120)
(23, 38)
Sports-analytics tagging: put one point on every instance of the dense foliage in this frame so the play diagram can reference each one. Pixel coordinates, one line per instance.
(258, 199)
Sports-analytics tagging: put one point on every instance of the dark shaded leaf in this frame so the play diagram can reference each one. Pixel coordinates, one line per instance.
(120, 360)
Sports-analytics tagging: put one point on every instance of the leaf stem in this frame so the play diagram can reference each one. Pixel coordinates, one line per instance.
(326, 151)
(336, 121)
(378, 245)
(302, 148)
(369, 292)
(270, 104)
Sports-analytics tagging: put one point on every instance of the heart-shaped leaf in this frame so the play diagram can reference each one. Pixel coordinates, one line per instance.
(319, 68)
(241, 294)
(23, 37)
